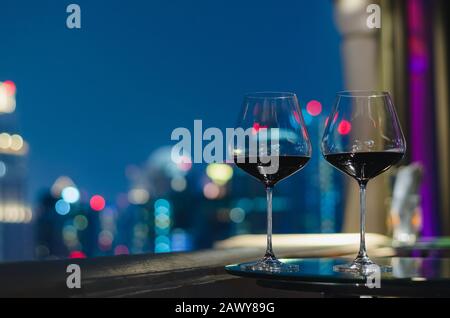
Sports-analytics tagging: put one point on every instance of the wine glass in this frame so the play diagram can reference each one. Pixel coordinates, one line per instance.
(274, 144)
(363, 138)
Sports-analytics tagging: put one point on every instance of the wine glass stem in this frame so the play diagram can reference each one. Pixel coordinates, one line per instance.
(269, 251)
(362, 221)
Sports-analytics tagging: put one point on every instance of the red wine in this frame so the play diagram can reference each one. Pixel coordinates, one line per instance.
(364, 165)
(287, 165)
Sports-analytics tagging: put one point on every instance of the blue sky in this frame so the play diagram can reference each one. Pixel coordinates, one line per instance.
(94, 100)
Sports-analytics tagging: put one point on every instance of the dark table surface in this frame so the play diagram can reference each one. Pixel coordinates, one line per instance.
(410, 277)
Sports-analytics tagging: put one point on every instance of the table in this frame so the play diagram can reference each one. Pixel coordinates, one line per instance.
(410, 277)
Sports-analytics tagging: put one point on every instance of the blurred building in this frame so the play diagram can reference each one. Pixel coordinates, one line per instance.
(15, 213)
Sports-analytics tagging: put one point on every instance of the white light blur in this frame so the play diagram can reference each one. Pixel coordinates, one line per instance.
(70, 194)
(138, 196)
(13, 212)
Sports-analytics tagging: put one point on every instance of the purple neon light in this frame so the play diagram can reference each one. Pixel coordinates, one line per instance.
(421, 119)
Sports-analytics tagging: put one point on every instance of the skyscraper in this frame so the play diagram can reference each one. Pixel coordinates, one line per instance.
(15, 213)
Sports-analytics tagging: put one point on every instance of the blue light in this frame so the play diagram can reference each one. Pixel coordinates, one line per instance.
(62, 207)
(162, 203)
(306, 117)
(162, 239)
(162, 248)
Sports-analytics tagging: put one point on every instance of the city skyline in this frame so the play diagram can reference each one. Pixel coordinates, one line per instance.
(95, 100)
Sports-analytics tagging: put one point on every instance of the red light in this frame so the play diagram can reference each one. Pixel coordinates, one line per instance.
(314, 108)
(344, 127)
(97, 203)
(256, 128)
(296, 116)
(121, 250)
(185, 163)
(10, 87)
(77, 254)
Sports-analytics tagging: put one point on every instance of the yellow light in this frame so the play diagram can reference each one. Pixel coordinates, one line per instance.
(138, 196)
(219, 173)
(16, 142)
(7, 101)
(14, 212)
(5, 140)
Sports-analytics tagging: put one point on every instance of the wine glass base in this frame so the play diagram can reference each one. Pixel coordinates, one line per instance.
(270, 264)
(362, 265)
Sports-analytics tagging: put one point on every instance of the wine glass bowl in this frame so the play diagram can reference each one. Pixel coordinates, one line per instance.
(363, 139)
(275, 145)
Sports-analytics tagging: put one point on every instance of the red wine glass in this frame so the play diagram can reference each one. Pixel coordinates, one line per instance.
(363, 139)
(273, 145)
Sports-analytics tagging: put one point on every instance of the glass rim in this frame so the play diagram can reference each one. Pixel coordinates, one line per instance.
(362, 93)
(269, 95)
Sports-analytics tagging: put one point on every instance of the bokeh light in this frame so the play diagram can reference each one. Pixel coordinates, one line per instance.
(62, 207)
(138, 196)
(70, 194)
(97, 202)
(80, 222)
(314, 108)
(344, 127)
(219, 173)
(121, 250)
(10, 87)
(211, 191)
(77, 254)
(178, 184)
(237, 215)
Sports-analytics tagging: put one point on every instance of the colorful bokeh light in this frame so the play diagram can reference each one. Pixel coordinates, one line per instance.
(77, 254)
(62, 207)
(314, 108)
(97, 202)
(344, 127)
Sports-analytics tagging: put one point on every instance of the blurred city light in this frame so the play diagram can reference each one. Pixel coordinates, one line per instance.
(178, 184)
(62, 207)
(138, 196)
(61, 183)
(16, 142)
(211, 191)
(77, 254)
(80, 222)
(97, 203)
(314, 108)
(344, 127)
(219, 173)
(14, 212)
(162, 203)
(237, 215)
(185, 163)
(70, 194)
(7, 97)
(121, 250)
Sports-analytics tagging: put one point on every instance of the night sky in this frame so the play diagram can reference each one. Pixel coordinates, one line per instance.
(92, 101)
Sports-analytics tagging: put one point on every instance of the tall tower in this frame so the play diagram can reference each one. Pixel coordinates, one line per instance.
(14, 210)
